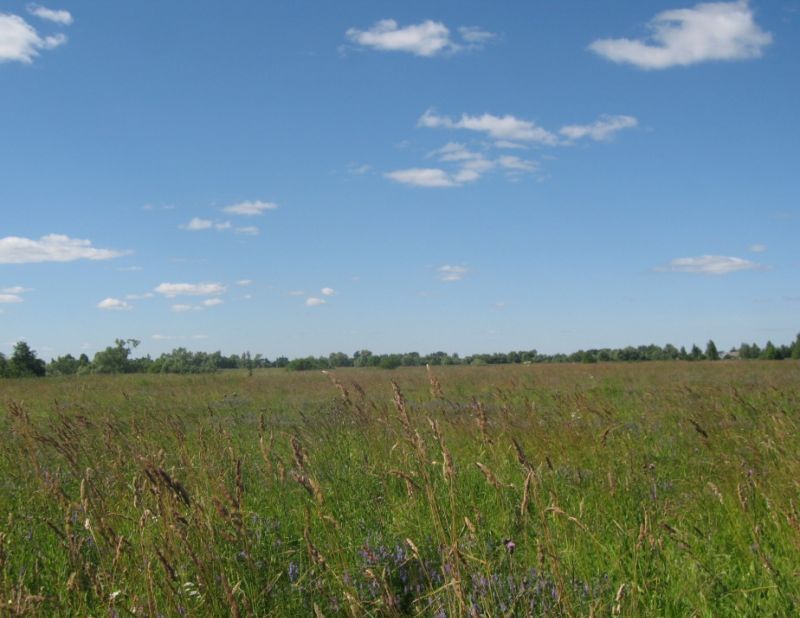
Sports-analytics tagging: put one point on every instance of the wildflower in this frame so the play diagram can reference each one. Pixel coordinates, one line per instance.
(510, 546)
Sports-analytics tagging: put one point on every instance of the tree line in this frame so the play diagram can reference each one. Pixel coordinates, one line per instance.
(118, 358)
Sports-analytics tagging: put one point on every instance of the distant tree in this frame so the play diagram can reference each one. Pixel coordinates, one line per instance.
(712, 353)
(24, 363)
(696, 353)
(115, 359)
(769, 352)
(63, 366)
(3, 366)
(796, 347)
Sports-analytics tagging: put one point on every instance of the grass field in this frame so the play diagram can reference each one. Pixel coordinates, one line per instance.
(662, 489)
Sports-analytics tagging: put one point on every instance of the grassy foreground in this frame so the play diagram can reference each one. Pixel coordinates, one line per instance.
(649, 489)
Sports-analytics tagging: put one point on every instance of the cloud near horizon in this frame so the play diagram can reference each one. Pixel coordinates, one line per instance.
(51, 248)
(709, 31)
(710, 265)
(171, 290)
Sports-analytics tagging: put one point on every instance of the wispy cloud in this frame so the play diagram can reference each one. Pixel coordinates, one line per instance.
(424, 39)
(313, 301)
(171, 290)
(601, 130)
(114, 304)
(757, 248)
(17, 289)
(144, 296)
(244, 282)
(422, 177)
(10, 298)
(51, 248)
(250, 208)
(680, 37)
(710, 265)
(428, 38)
(196, 224)
(20, 42)
(181, 308)
(452, 273)
(62, 17)
(506, 127)
(212, 302)
(248, 230)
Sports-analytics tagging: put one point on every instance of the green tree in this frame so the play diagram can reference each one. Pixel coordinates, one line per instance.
(796, 347)
(24, 362)
(712, 353)
(115, 359)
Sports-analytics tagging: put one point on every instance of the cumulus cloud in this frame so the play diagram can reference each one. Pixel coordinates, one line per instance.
(601, 130)
(250, 208)
(506, 127)
(212, 302)
(171, 290)
(313, 301)
(424, 39)
(452, 273)
(51, 248)
(422, 177)
(710, 265)
(56, 16)
(327, 291)
(114, 304)
(20, 42)
(10, 298)
(680, 37)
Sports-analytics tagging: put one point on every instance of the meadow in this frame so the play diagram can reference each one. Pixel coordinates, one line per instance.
(660, 489)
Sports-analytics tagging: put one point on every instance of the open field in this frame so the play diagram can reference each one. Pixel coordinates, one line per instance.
(666, 489)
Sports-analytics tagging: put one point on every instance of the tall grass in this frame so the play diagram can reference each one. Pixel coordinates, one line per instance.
(660, 489)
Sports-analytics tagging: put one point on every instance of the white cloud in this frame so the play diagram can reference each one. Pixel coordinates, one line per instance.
(250, 208)
(422, 177)
(474, 35)
(144, 296)
(313, 301)
(452, 273)
(171, 290)
(197, 224)
(425, 39)
(10, 298)
(498, 127)
(250, 230)
(114, 304)
(680, 37)
(224, 225)
(130, 269)
(244, 282)
(159, 337)
(51, 248)
(504, 143)
(56, 16)
(327, 291)
(517, 165)
(20, 42)
(181, 308)
(600, 130)
(757, 248)
(17, 289)
(213, 302)
(710, 265)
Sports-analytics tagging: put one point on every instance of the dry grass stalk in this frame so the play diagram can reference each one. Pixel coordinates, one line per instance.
(300, 456)
(489, 475)
(448, 471)
(411, 486)
(311, 486)
(521, 457)
(715, 490)
(340, 387)
(526, 494)
(482, 420)
(435, 385)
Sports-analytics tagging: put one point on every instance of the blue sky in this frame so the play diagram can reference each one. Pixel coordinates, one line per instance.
(300, 177)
